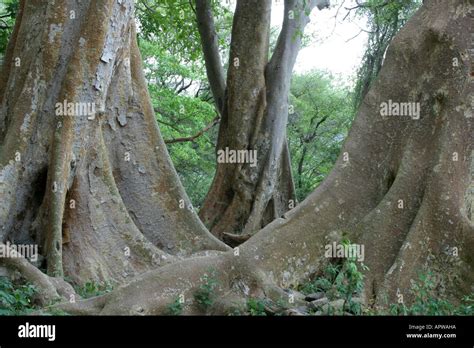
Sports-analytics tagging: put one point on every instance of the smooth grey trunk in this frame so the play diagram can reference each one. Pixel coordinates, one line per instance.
(210, 48)
(243, 198)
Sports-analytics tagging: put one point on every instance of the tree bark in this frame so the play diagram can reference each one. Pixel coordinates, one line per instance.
(98, 193)
(423, 162)
(243, 197)
(210, 48)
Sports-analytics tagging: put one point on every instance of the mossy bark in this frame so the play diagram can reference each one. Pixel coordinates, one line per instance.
(399, 186)
(97, 192)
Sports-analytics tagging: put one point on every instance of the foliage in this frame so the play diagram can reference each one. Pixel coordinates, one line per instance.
(467, 306)
(92, 289)
(16, 299)
(340, 280)
(204, 296)
(8, 11)
(174, 69)
(182, 116)
(171, 24)
(55, 312)
(427, 301)
(320, 117)
(175, 307)
(234, 312)
(385, 19)
(183, 102)
(256, 307)
(343, 281)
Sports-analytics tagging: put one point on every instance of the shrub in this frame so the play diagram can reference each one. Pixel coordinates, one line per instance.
(204, 296)
(428, 302)
(92, 289)
(175, 307)
(16, 299)
(256, 307)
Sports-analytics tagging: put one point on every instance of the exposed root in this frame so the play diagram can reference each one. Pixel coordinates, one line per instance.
(234, 239)
(50, 289)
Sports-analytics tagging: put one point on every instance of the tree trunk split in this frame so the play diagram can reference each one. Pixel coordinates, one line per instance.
(244, 198)
(399, 187)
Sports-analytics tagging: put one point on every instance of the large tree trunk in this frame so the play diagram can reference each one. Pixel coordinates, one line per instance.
(98, 192)
(244, 197)
(398, 188)
(423, 162)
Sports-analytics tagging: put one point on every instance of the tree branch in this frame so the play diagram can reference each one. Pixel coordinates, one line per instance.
(184, 86)
(289, 41)
(210, 48)
(4, 25)
(197, 135)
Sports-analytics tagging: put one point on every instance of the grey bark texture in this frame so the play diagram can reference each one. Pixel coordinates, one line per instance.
(98, 193)
(210, 48)
(424, 162)
(244, 198)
